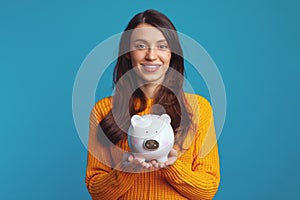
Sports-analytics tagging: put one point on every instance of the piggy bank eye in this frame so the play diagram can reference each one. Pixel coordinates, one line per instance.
(146, 131)
(155, 131)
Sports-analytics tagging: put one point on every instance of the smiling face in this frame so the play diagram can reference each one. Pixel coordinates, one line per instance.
(149, 53)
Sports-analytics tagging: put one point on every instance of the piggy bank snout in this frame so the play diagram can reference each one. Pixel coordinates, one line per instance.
(151, 144)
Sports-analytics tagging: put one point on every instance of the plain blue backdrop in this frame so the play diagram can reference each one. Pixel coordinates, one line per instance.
(255, 45)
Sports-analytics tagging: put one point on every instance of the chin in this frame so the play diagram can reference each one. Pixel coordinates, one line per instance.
(156, 80)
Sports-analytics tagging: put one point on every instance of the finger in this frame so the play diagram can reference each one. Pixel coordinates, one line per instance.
(137, 162)
(144, 164)
(161, 165)
(130, 158)
(148, 165)
(153, 162)
(173, 152)
(156, 165)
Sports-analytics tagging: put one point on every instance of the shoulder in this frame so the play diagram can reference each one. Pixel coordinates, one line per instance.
(102, 108)
(105, 102)
(197, 101)
(200, 107)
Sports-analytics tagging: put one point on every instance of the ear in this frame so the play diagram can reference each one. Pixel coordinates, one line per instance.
(136, 119)
(166, 118)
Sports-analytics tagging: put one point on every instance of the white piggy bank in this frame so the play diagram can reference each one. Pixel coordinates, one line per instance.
(151, 137)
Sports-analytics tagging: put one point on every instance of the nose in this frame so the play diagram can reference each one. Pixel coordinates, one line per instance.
(151, 145)
(151, 54)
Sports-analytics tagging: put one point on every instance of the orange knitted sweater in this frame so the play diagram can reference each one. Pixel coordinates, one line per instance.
(195, 174)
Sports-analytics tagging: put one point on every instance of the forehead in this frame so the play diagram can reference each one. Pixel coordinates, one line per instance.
(147, 32)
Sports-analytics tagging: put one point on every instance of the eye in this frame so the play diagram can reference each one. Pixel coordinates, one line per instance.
(155, 131)
(163, 47)
(140, 46)
(146, 131)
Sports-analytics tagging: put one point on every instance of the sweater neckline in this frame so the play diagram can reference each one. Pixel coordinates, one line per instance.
(149, 101)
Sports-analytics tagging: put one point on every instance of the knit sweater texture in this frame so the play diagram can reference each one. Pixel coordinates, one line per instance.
(194, 175)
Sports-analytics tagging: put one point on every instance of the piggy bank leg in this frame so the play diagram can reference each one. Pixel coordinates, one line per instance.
(162, 159)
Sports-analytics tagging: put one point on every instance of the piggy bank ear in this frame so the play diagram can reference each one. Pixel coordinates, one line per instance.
(136, 119)
(166, 118)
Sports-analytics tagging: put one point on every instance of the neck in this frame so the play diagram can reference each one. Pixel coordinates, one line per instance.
(149, 90)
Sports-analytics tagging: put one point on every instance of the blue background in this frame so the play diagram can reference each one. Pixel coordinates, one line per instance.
(255, 45)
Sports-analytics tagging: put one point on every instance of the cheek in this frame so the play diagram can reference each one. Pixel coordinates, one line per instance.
(166, 58)
(165, 143)
(136, 57)
(134, 141)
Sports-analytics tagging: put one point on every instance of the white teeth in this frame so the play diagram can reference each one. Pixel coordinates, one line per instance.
(151, 67)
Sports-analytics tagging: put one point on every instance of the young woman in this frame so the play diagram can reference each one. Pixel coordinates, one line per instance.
(148, 78)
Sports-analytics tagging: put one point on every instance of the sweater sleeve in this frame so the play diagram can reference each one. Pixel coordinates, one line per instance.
(200, 180)
(102, 181)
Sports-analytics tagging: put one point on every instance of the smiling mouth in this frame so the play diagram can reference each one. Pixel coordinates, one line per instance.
(151, 68)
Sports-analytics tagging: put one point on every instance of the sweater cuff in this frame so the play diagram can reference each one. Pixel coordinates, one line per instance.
(106, 187)
(179, 173)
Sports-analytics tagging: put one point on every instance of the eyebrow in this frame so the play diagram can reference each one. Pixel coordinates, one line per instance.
(142, 40)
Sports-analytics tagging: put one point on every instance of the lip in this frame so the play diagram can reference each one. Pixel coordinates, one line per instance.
(150, 67)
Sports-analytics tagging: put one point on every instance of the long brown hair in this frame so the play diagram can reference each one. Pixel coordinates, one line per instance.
(170, 94)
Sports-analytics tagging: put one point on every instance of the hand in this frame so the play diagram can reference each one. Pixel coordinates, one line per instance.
(172, 157)
(131, 164)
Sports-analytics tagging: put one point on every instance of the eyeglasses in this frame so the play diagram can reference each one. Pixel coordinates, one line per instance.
(143, 46)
